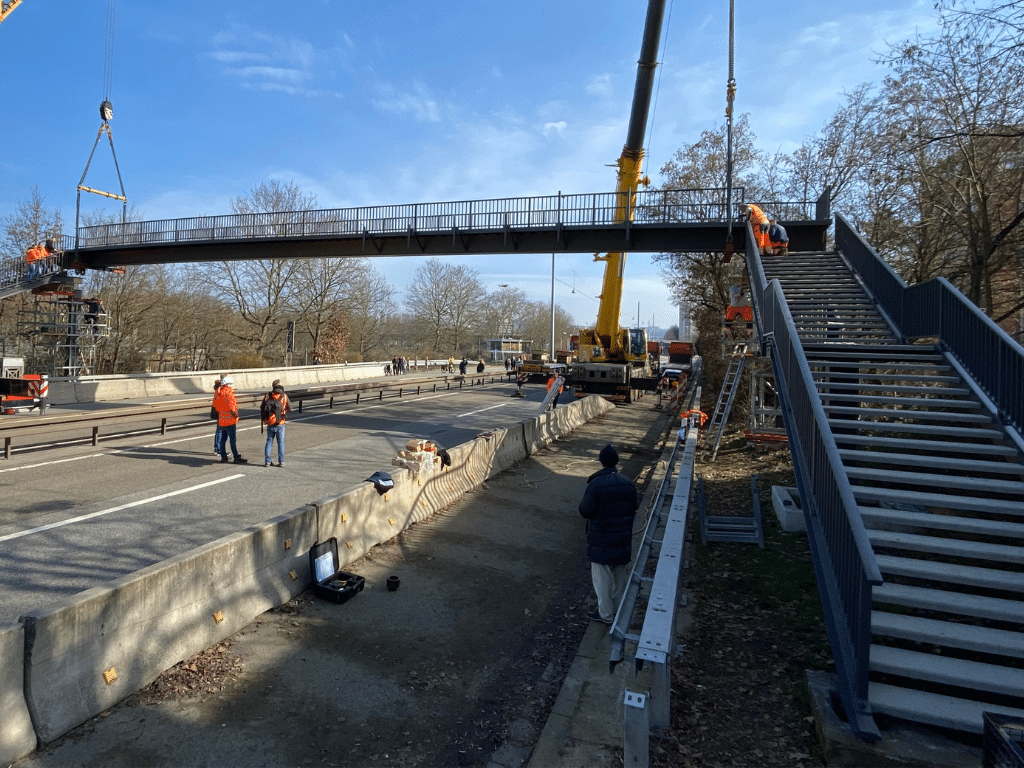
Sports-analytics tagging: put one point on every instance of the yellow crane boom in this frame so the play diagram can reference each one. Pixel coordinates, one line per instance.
(6, 7)
(608, 355)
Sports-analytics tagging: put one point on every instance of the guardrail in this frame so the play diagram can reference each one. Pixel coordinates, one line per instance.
(991, 358)
(592, 209)
(339, 394)
(844, 562)
(656, 644)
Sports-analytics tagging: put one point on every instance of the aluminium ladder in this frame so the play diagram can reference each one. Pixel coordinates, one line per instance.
(725, 398)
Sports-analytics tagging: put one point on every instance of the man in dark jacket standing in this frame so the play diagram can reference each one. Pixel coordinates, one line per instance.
(609, 505)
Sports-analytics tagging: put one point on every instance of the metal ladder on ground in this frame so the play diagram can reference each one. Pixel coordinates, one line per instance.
(724, 404)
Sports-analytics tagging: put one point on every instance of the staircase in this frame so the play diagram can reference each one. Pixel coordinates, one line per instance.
(940, 488)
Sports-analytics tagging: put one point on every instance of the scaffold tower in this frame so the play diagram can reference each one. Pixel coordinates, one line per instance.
(63, 333)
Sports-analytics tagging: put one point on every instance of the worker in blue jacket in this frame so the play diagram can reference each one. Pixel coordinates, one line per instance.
(609, 506)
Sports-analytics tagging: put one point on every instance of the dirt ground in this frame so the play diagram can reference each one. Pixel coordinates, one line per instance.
(738, 692)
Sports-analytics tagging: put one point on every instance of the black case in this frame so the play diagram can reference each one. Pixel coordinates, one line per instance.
(328, 582)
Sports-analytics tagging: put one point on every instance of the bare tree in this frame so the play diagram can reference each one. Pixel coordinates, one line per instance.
(956, 106)
(31, 223)
(321, 295)
(702, 279)
(370, 309)
(447, 300)
(261, 291)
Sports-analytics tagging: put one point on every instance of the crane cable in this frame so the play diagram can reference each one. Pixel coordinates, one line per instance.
(108, 52)
(106, 113)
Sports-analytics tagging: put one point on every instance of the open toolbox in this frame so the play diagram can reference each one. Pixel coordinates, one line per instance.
(329, 583)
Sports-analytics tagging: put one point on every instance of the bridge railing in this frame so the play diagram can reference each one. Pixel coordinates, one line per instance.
(936, 308)
(670, 206)
(844, 562)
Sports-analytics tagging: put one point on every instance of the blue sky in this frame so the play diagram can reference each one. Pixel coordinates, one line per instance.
(395, 101)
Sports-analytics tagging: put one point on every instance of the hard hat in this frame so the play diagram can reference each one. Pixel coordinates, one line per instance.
(227, 381)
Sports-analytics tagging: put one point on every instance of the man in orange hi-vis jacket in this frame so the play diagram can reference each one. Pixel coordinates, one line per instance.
(34, 256)
(226, 405)
(758, 222)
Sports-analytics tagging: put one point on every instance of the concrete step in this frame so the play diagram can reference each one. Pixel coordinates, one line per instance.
(940, 500)
(998, 642)
(937, 545)
(932, 708)
(975, 467)
(936, 481)
(907, 415)
(874, 517)
(958, 603)
(950, 573)
(909, 390)
(947, 670)
(902, 401)
(957, 446)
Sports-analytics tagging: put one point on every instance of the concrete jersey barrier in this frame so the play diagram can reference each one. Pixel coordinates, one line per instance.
(95, 389)
(92, 650)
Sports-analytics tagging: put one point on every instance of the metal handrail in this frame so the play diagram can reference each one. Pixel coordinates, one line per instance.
(844, 561)
(669, 206)
(994, 360)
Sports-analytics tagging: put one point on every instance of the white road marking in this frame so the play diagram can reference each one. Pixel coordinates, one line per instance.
(139, 503)
(339, 412)
(488, 408)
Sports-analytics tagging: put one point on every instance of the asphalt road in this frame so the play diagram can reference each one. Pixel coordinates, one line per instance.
(76, 516)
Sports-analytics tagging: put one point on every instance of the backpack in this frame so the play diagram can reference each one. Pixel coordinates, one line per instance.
(272, 410)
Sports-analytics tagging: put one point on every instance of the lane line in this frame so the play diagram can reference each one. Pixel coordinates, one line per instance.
(488, 408)
(339, 412)
(139, 503)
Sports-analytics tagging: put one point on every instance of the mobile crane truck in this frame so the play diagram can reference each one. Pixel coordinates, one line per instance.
(613, 362)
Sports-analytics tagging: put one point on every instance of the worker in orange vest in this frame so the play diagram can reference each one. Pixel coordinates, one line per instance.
(37, 253)
(778, 239)
(551, 383)
(758, 222)
(226, 405)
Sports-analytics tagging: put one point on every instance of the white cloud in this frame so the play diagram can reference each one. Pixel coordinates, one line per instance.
(419, 103)
(601, 86)
(549, 128)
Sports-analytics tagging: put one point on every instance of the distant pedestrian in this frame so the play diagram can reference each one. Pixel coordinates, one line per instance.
(274, 412)
(480, 366)
(609, 505)
(226, 405)
(462, 366)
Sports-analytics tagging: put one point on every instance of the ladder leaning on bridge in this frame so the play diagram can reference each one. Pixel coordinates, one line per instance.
(725, 398)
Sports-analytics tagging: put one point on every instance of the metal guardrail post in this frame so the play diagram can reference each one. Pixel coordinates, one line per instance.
(637, 742)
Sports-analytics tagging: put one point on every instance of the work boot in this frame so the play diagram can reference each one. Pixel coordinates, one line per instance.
(240, 460)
